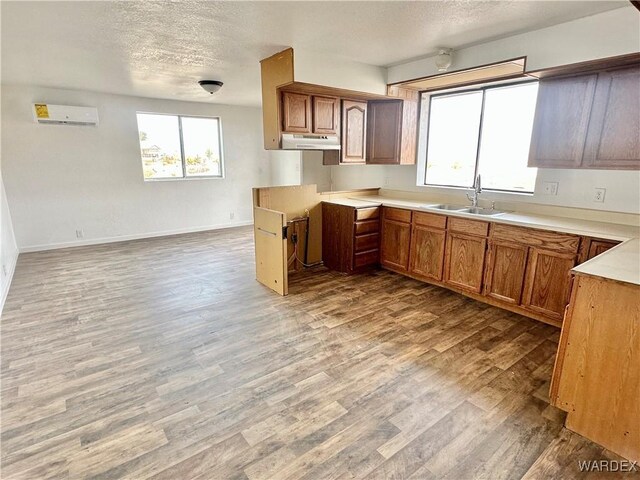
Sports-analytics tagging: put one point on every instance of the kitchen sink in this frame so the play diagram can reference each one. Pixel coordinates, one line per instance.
(482, 211)
(452, 208)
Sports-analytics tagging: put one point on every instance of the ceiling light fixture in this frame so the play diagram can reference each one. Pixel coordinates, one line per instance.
(211, 86)
(444, 59)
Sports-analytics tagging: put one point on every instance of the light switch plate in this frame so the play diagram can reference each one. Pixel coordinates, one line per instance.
(550, 188)
(598, 195)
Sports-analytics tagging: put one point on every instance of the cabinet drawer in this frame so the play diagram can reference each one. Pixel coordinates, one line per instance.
(397, 214)
(559, 242)
(367, 226)
(367, 242)
(469, 227)
(369, 257)
(367, 213)
(429, 220)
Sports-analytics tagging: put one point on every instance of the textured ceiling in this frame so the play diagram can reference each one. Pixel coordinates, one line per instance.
(161, 49)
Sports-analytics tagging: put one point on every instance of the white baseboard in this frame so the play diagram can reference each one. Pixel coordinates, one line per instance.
(12, 269)
(124, 238)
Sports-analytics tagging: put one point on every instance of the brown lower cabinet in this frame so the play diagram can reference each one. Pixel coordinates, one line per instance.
(350, 237)
(464, 261)
(395, 240)
(522, 269)
(506, 265)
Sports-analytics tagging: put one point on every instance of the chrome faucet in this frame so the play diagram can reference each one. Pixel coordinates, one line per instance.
(477, 190)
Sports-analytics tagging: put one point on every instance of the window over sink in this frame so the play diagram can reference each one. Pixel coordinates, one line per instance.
(484, 130)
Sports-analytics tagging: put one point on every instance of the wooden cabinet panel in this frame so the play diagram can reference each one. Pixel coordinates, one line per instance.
(596, 247)
(370, 241)
(397, 214)
(384, 131)
(367, 226)
(394, 244)
(354, 131)
(296, 112)
(547, 281)
(367, 213)
(505, 271)
(613, 139)
(427, 252)
(326, 115)
(545, 239)
(430, 220)
(365, 259)
(470, 227)
(561, 121)
(464, 261)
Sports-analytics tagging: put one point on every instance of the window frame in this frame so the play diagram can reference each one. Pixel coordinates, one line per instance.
(183, 160)
(464, 90)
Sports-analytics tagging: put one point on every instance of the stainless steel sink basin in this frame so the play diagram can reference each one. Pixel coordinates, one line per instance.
(482, 211)
(452, 208)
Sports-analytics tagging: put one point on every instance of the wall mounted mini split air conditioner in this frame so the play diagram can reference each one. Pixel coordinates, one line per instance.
(64, 115)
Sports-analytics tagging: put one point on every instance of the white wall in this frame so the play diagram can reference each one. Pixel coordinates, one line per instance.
(60, 179)
(8, 247)
(314, 172)
(285, 167)
(608, 34)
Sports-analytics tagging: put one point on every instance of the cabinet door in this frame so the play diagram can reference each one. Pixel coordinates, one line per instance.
(296, 113)
(504, 277)
(326, 115)
(596, 247)
(464, 262)
(384, 129)
(394, 244)
(427, 252)
(561, 121)
(613, 140)
(547, 282)
(354, 129)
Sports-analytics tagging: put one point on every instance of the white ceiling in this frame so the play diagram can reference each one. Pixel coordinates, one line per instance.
(161, 49)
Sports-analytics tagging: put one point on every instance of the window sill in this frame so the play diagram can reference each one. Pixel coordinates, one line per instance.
(484, 190)
(180, 179)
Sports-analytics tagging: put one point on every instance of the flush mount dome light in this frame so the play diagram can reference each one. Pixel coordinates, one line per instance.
(444, 59)
(211, 86)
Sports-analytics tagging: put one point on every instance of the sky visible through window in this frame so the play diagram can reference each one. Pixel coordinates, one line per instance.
(458, 147)
(161, 152)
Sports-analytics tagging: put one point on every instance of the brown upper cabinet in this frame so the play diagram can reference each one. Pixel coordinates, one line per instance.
(310, 114)
(296, 112)
(326, 115)
(384, 132)
(354, 131)
(613, 139)
(588, 121)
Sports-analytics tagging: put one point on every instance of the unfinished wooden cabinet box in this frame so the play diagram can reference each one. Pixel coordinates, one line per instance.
(465, 253)
(395, 239)
(588, 121)
(350, 237)
(596, 377)
(428, 238)
(354, 132)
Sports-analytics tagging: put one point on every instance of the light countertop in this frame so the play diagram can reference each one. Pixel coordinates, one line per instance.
(620, 263)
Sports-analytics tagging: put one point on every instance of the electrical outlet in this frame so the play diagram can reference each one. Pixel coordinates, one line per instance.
(79, 234)
(550, 188)
(598, 195)
(386, 181)
(4, 270)
(231, 215)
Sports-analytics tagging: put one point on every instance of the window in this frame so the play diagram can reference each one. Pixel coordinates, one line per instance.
(173, 146)
(484, 131)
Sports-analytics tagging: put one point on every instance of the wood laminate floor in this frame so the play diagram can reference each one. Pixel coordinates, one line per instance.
(164, 358)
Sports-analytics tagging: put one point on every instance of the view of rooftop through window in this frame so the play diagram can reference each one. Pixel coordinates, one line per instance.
(173, 146)
(483, 131)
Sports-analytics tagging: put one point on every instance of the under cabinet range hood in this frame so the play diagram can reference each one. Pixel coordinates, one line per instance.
(293, 141)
